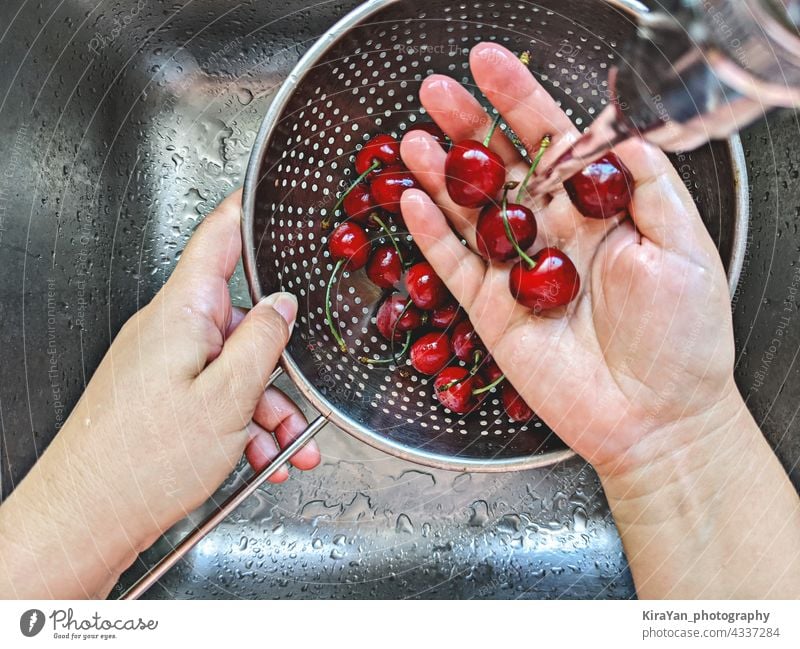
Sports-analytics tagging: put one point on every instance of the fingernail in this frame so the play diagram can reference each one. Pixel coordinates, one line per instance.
(418, 136)
(285, 304)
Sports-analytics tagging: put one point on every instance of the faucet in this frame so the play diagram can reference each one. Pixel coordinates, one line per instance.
(704, 69)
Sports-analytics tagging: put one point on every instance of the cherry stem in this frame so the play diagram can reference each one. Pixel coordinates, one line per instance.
(389, 234)
(492, 129)
(510, 233)
(392, 359)
(334, 325)
(543, 146)
(477, 358)
(452, 384)
(327, 222)
(397, 322)
(491, 386)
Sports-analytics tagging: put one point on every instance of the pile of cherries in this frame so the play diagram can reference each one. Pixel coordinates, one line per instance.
(418, 316)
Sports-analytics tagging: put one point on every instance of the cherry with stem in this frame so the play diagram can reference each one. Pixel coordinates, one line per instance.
(349, 245)
(491, 230)
(474, 174)
(455, 388)
(326, 223)
(510, 233)
(477, 357)
(603, 189)
(547, 281)
(431, 353)
(383, 149)
(389, 235)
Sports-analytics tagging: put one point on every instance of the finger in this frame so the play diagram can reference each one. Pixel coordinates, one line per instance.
(199, 285)
(662, 208)
(425, 158)
(462, 117)
(216, 246)
(237, 378)
(525, 105)
(278, 413)
(261, 450)
(460, 268)
(237, 317)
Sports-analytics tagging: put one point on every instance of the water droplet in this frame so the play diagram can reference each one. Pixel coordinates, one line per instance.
(244, 95)
(480, 514)
(404, 525)
(581, 519)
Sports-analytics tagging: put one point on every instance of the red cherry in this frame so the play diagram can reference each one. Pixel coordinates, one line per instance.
(454, 386)
(433, 130)
(515, 407)
(389, 312)
(474, 175)
(388, 186)
(350, 242)
(431, 353)
(603, 189)
(552, 282)
(447, 315)
(385, 267)
(358, 204)
(492, 239)
(490, 371)
(466, 342)
(424, 287)
(383, 149)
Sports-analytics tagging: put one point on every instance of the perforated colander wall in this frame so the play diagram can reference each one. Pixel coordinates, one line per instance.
(368, 83)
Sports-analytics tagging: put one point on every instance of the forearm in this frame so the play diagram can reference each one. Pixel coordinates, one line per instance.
(60, 536)
(717, 518)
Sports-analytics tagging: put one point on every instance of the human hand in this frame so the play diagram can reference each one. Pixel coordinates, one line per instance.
(178, 398)
(648, 341)
(183, 383)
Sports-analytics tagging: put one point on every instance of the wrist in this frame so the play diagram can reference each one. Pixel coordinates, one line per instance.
(52, 547)
(708, 517)
(677, 468)
(62, 535)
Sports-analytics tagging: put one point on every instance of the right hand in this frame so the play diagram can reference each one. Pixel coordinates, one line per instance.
(649, 340)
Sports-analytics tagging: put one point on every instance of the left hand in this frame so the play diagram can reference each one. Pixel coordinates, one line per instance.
(178, 398)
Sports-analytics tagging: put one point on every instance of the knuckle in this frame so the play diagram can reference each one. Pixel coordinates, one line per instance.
(273, 327)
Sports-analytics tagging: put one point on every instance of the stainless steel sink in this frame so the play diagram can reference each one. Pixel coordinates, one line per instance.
(121, 125)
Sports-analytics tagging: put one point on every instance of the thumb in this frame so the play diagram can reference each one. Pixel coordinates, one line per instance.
(236, 379)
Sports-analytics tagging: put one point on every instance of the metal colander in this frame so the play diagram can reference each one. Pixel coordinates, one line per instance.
(362, 78)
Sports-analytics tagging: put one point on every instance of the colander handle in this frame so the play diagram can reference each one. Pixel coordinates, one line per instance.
(236, 499)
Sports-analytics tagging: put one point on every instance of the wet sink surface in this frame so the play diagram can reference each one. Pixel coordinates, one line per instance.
(121, 125)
